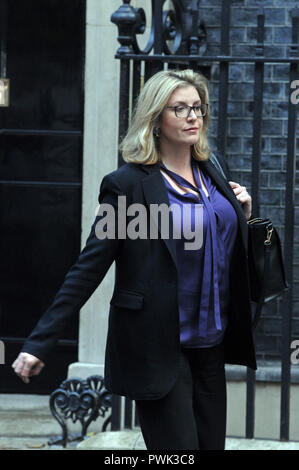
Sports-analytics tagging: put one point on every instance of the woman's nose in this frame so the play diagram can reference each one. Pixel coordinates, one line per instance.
(192, 115)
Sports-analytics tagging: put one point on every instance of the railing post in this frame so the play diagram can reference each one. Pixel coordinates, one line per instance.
(223, 80)
(124, 102)
(255, 191)
(130, 21)
(257, 115)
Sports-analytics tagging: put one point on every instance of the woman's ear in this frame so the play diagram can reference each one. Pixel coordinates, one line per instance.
(157, 132)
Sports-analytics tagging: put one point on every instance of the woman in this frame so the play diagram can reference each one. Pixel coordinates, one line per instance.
(178, 311)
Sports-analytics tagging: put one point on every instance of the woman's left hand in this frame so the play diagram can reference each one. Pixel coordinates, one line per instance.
(243, 197)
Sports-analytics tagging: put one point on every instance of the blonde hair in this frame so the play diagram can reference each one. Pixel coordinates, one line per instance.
(139, 144)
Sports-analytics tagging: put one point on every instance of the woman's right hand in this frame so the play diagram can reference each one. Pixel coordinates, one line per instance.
(26, 365)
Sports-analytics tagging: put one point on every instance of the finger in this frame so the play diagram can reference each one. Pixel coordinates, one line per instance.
(241, 188)
(19, 361)
(26, 369)
(243, 198)
(238, 191)
(26, 380)
(245, 194)
(242, 192)
(237, 187)
(233, 184)
(37, 369)
(24, 365)
(19, 366)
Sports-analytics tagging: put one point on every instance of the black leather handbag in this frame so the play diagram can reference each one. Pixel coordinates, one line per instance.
(265, 261)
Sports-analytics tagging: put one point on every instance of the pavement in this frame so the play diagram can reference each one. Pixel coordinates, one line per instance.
(26, 423)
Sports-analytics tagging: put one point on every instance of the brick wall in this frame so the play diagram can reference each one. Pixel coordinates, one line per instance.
(274, 127)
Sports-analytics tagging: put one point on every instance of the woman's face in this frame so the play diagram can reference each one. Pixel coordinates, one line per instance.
(176, 130)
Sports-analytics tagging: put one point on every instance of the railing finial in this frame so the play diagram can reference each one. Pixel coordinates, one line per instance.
(129, 21)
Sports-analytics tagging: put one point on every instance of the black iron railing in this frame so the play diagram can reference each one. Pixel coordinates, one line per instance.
(79, 400)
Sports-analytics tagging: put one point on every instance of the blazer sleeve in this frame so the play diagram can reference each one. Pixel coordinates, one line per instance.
(80, 282)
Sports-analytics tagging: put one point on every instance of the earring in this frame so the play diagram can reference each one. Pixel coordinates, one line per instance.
(156, 132)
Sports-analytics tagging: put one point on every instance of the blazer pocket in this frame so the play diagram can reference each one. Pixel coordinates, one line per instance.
(127, 299)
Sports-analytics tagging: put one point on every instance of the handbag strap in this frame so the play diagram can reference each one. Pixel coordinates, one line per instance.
(216, 163)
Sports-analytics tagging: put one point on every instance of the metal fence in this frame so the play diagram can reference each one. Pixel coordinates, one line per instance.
(177, 40)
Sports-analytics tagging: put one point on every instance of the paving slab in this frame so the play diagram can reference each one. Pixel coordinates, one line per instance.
(259, 444)
(28, 443)
(132, 440)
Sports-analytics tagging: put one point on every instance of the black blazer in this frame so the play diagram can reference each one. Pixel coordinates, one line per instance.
(143, 345)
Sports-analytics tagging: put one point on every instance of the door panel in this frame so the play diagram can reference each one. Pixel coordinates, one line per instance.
(41, 158)
(45, 47)
(41, 144)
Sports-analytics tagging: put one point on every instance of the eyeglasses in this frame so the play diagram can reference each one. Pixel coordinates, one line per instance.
(183, 111)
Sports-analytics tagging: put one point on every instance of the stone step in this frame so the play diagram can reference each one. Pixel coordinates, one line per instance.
(30, 415)
(26, 415)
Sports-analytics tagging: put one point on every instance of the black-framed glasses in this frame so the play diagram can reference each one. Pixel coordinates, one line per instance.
(183, 110)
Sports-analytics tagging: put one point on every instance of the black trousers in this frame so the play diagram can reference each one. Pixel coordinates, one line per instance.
(192, 416)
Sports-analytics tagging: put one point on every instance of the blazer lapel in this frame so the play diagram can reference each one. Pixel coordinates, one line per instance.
(155, 192)
(223, 185)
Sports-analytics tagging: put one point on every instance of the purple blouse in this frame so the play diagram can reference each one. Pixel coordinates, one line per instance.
(203, 290)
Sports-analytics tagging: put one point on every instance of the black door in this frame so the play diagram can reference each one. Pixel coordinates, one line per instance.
(42, 53)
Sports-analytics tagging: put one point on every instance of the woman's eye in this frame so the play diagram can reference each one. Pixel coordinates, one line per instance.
(180, 109)
(197, 109)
